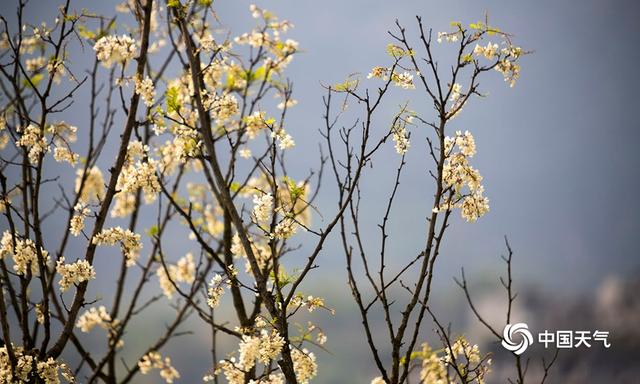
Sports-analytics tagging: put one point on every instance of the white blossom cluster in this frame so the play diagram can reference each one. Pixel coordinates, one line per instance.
(400, 135)
(35, 63)
(507, 67)
(129, 242)
(261, 251)
(23, 367)
(115, 49)
(434, 366)
(506, 56)
(186, 144)
(209, 44)
(286, 228)
(264, 348)
(48, 370)
(285, 141)
(403, 80)
(62, 154)
(28, 368)
(32, 138)
(144, 88)
(74, 273)
(215, 290)
(153, 360)
(450, 37)
(268, 38)
(139, 173)
(181, 272)
(254, 123)
(64, 134)
(260, 345)
(39, 313)
(310, 302)
(262, 207)
(4, 137)
(457, 100)
(23, 253)
(304, 365)
(458, 174)
(95, 317)
(93, 186)
(222, 107)
(76, 224)
(489, 51)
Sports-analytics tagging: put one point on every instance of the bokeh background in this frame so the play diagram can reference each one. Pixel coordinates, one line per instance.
(558, 154)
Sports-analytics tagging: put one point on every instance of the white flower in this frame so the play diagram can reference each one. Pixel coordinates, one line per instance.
(262, 207)
(61, 154)
(451, 37)
(221, 107)
(455, 92)
(75, 273)
(488, 52)
(474, 206)
(23, 252)
(93, 188)
(153, 360)
(145, 89)
(215, 291)
(403, 80)
(254, 123)
(77, 221)
(285, 229)
(182, 272)
(401, 139)
(304, 365)
(458, 174)
(32, 138)
(129, 242)
(290, 103)
(285, 141)
(115, 49)
(94, 317)
(510, 71)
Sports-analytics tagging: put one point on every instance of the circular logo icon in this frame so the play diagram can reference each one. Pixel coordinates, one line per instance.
(518, 330)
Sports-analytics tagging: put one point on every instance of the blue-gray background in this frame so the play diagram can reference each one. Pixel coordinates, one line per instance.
(557, 152)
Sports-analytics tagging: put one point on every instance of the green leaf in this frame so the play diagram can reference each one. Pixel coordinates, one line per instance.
(346, 86)
(260, 73)
(172, 99)
(231, 81)
(85, 33)
(35, 80)
(235, 187)
(151, 232)
(173, 3)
